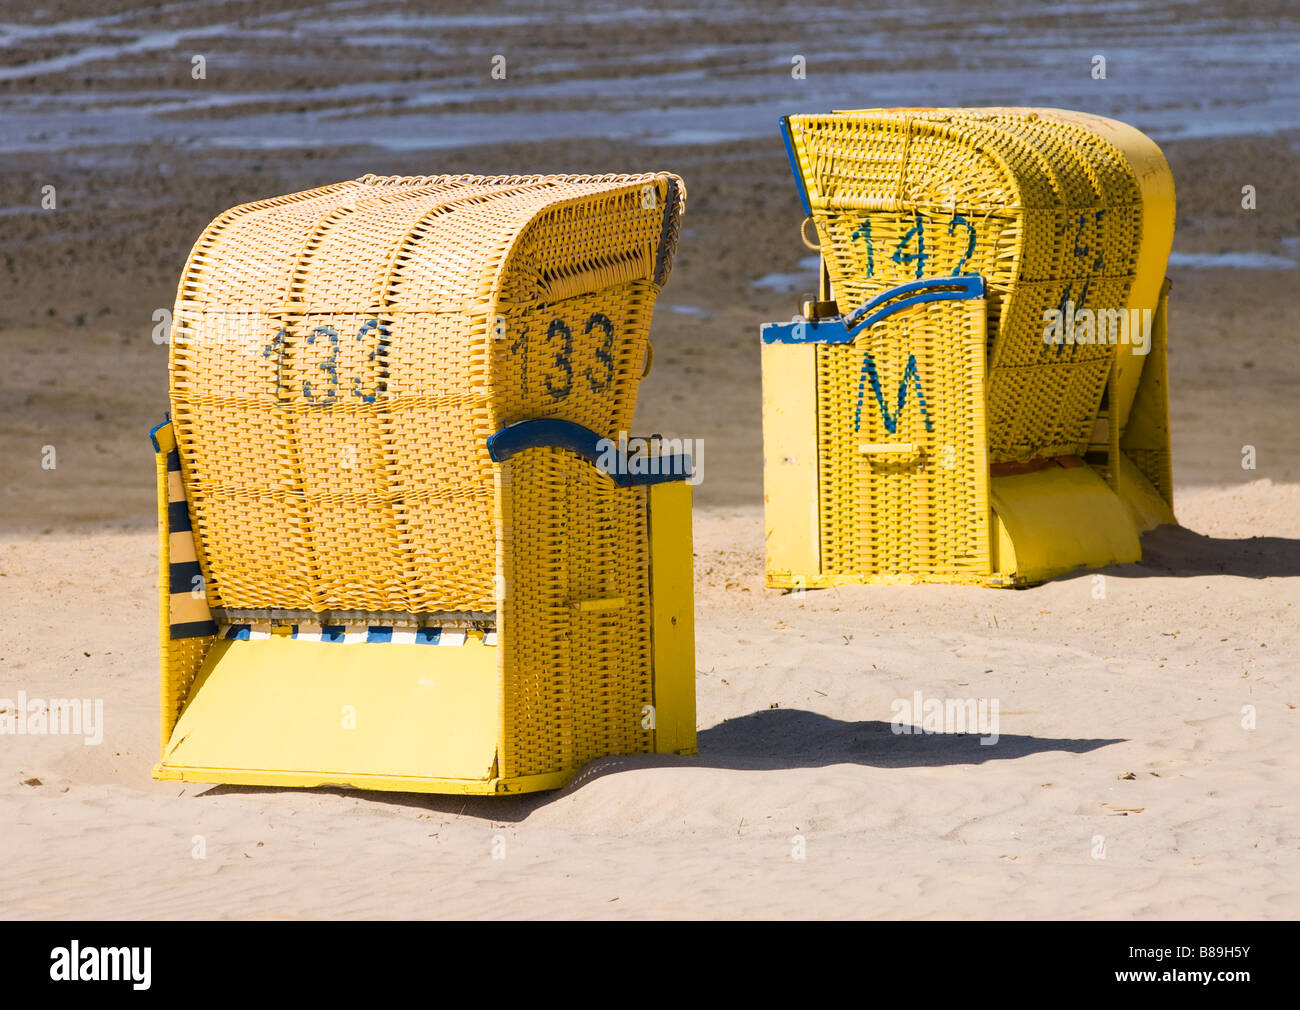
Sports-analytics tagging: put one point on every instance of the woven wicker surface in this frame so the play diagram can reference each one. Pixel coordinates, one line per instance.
(1044, 208)
(574, 682)
(340, 356)
(903, 470)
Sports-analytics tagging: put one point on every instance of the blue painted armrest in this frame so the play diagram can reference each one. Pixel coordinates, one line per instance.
(606, 454)
(844, 329)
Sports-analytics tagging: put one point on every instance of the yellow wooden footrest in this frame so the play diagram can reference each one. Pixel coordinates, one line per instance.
(276, 710)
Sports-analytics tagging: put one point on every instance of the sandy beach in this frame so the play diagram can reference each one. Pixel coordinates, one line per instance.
(1146, 761)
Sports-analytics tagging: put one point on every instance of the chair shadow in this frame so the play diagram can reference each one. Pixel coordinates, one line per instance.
(1180, 552)
(767, 740)
(783, 738)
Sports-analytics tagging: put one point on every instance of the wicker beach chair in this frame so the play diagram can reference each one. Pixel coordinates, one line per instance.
(960, 437)
(393, 555)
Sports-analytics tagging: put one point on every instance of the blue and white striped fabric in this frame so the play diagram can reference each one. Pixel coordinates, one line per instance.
(189, 613)
(351, 633)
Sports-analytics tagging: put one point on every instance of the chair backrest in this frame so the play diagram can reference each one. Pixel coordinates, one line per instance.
(340, 357)
(1049, 207)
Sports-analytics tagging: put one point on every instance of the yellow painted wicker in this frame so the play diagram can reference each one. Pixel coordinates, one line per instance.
(340, 359)
(901, 444)
(1053, 210)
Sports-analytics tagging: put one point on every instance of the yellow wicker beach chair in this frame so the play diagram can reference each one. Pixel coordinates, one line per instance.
(394, 551)
(978, 391)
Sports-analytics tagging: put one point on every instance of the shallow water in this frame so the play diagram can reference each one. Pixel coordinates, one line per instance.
(1230, 260)
(1174, 69)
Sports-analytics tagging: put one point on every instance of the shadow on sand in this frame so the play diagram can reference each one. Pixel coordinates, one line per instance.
(767, 740)
(1173, 550)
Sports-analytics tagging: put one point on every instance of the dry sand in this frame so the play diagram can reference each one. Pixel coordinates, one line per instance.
(1121, 718)
(1121, 725)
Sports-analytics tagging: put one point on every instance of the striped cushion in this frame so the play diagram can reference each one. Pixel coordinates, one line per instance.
(353, 633)
(189, 614)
